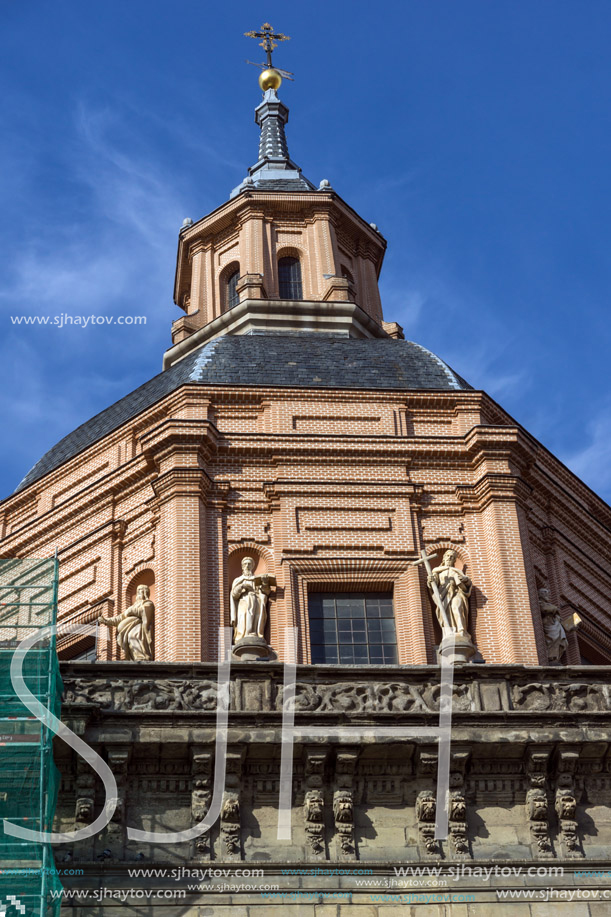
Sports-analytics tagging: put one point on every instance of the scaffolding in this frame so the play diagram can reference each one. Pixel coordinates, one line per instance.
(29, 779)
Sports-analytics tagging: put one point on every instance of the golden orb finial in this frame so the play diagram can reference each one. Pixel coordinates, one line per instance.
(270, 79)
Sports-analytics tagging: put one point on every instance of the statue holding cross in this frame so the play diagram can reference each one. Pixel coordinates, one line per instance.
(450, 589)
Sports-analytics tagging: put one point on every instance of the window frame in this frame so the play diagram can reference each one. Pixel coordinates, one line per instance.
(232, 297)
(347, 628)
(289, 287)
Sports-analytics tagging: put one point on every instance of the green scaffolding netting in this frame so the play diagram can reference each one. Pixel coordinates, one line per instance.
(29, 780)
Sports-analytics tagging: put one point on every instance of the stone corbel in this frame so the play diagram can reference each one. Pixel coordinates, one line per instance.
(118, 530)
(314, 803)
(426, 805)
(343, 802)
(537, 802)
(201, 796)
(231, 831)
(565, 803)
(426, 810)
(84, 806)
(118, 760)
(85, 794)
(457, 822)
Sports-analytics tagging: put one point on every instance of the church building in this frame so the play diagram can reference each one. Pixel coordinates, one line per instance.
(333, 500)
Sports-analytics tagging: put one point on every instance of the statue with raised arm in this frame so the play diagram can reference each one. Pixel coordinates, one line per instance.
(135, 627)
(451, 596)
(555, 634)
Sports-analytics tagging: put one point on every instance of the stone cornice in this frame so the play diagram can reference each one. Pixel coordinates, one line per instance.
(175, 437)
(493, 487)
(177, 481)
(256, 315)
(507, 443)
(96, 496)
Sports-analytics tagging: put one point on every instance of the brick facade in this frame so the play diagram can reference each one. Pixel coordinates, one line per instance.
(334, 490)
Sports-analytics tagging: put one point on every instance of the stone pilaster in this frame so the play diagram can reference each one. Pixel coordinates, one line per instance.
(181, 450)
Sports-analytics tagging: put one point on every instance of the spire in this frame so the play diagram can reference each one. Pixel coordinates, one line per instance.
(274, 170)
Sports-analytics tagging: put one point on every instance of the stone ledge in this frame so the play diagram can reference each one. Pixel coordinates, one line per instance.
(253, 316)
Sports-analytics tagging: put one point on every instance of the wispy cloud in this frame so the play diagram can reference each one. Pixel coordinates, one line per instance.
(129, 189)
(107, 248)
(592, 463)
(466, 334)
(127, 217)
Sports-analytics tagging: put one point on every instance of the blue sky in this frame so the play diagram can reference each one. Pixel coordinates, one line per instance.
(476, 135)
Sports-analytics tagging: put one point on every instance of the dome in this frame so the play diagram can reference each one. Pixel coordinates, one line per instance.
(304, 360)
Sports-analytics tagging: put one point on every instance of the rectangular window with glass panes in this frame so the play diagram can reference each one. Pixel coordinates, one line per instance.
(352, 628)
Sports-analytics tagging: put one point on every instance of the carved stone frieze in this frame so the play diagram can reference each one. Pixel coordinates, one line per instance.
(376, 698)
(577, 698)
(142, 695)
(412, 693)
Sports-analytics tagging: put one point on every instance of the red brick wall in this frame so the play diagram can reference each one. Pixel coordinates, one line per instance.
(332, 490)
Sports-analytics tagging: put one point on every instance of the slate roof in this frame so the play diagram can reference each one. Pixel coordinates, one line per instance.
(300, 360)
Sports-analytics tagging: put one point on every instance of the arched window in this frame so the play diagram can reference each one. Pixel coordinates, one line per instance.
(289, 278)
(231, 292)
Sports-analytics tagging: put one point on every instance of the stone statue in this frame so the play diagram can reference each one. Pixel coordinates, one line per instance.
(555, 634)
(135, 627)
(249, 602)
(453, 591)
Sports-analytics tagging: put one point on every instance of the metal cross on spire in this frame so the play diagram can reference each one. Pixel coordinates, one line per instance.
(269, 41)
